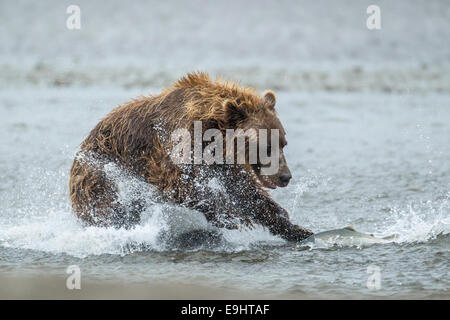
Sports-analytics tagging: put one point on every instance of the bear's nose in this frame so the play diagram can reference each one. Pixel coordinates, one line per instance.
(284, 178)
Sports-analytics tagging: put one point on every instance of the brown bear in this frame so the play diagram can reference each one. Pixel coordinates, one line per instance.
(137, 137)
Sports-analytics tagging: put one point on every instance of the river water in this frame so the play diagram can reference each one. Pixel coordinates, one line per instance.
(368, 125)
(376, 162)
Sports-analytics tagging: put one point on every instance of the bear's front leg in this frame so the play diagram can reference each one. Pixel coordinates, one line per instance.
(217, 214)
(276, 219)
(256, 204)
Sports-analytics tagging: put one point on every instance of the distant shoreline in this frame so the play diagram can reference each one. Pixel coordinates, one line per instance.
(48, 287)
(38, 286)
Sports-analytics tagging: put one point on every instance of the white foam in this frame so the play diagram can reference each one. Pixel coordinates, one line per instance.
(57, 231)
(421, 222)
(43, 220)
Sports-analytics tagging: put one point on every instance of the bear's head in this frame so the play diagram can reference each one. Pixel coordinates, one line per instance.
(263, 130)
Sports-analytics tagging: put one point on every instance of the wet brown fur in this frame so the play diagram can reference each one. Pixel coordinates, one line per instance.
(136, 136)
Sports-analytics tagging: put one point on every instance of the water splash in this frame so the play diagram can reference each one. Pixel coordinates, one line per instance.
(36, 215)
(421, 222)
(39, 217)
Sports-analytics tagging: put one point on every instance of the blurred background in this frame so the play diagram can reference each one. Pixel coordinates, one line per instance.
(284, 45)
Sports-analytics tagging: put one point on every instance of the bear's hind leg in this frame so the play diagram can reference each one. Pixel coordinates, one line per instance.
(95, 200)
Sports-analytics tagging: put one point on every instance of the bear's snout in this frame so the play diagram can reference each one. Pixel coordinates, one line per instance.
(284, 179)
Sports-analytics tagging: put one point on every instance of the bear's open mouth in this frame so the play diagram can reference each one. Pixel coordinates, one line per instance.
(264, 181)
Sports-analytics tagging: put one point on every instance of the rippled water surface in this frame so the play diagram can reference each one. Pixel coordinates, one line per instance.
(374, 161)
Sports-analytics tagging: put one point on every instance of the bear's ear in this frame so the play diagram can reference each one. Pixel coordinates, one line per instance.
(234, 113)
(270, 99)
